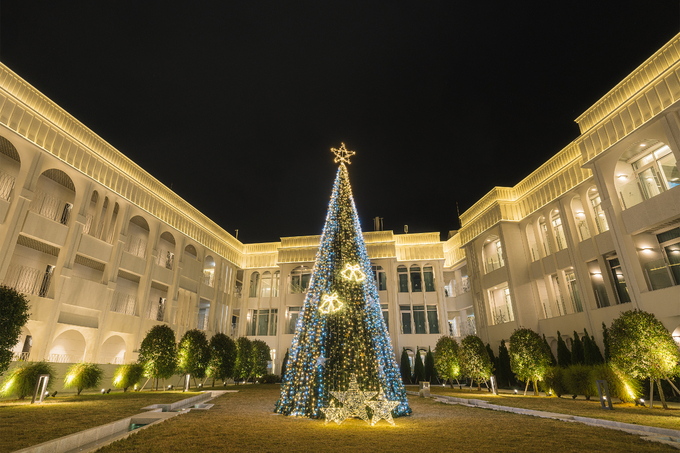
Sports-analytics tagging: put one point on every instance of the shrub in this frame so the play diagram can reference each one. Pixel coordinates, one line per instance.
(430, 372)
(270, 379)
(13, 316)
(563, 352)
(193, 354)
(127, 376)
(445, 359)
(579, 380)
(244, 359)
(418, 369)
(605, 340)
(621, 387)
(504, 371)
(641, 347)
(21, 381)
(158, 353)
(83, 376)
(553, 380)
(591, 352)
(222, 357)
(261, 357)
(529, 356)
(474, 360)
(577, 350)
(405, 367)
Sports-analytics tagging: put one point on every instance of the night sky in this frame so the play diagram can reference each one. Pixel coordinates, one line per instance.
(236, 104)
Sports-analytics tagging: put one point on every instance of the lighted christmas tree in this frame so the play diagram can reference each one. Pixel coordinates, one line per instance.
(341, 333)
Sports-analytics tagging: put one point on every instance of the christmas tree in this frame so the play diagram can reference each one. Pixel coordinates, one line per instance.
(341, 344)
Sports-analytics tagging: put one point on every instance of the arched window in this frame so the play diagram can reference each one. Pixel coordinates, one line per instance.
(560, 238)
(138, 235)
(299, 279)
(402, 275)
(254, 282)
(580, 218)
(416, 279)
(209, 271)
(493, 254)
(10, 164)
(428, 277)
(596, 203)
(190, 250)
(166, 250)
(54, 196)
(276, 281)
(543, 230)
(531, 239)
(266, 286)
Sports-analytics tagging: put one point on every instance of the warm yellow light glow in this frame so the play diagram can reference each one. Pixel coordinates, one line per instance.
(69, 378)
(342, 154)
(330, 304)
(8, 385)
(117, 380)
(353, 272)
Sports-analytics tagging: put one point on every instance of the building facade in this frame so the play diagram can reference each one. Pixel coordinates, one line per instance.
(104, 251)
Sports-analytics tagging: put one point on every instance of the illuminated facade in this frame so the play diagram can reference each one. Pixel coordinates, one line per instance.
(104, 251)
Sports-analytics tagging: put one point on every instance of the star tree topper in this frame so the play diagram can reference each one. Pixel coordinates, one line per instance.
(354, 401)
(342, 154)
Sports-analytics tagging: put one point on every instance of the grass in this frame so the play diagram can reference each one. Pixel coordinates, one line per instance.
(623, 412)
(31, 424)
(244, 421)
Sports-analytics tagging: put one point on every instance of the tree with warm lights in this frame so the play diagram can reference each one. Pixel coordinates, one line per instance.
(641, 347)
(127, 375)
(341, 336)
(475, 362)
(446, 359)
(222, 357)
(529, 357)
(193, 354)
(158, 353)
(21, 380)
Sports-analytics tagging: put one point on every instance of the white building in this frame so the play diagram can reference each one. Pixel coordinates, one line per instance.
(105, 251)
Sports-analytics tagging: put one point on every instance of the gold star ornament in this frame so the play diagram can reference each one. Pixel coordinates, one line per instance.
(382, 409)
(334, 414)
(342, 154)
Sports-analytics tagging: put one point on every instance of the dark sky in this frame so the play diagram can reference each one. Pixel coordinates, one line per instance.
(237, 103)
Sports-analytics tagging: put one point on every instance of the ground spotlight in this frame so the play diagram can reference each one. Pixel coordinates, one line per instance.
(108, 391)
(54, 394)
(170, 387)
(200, 386)
(515, 391)
(103, 391)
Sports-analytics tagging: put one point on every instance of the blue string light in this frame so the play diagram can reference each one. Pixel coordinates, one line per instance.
(352, 340)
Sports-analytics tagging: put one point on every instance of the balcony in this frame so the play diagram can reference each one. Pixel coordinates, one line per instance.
(124, 304)
(494, 262)
(50, 207)
(28, 280)
(156, 310)
(202, 323)
(6, 185)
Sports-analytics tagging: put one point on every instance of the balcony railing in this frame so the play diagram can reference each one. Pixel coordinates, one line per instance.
(494, 262)
(166, 259)
(156, 311)
(50, 207)
(28, 280)
(209, 278)
(124, 303)
(136, 246)
(63, 358)
(113, 360)
(659, 274)
(21, 356)
(6, 185)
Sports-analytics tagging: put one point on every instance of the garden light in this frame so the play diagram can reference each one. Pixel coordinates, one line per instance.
(103, 391)
(515, 391)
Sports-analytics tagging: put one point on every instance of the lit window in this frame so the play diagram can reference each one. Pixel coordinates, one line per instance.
(386, 315)
(402, 275)
(428, 277)
(596, 203)
(573, 291)
(419, 318)
(501, 306)
(543, 229)
(380, 278)
(292, 314)
(580, 218)
(266, 286)
(405, 318)
(275, 284)
(432, 319)
(299, 280)
(599, 288)
(619, 280)
(559, 230)
(416, 279)
(254, 282)
(493, 254)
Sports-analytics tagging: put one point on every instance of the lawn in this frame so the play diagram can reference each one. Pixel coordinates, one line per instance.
(626, 413)
(23, 424)
(244, 421)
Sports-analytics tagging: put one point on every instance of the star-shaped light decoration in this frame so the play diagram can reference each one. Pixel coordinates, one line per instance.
(342, 154)
(330, 304)
(321, 361)
(354, 401)
(382, 409)
(353, 272)
(334, 414)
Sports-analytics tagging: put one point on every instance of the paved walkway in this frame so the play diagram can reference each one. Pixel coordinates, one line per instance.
(651, 433)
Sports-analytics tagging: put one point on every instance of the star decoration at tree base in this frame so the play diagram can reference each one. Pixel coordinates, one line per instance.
(334, 414)
(382, 409)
